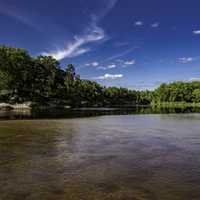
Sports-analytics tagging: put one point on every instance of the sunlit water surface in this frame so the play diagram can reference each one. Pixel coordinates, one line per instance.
(124, 157)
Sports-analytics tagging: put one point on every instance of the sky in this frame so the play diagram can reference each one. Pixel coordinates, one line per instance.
(137, 44)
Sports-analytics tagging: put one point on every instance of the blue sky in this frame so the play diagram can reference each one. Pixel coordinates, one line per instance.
(131, 43)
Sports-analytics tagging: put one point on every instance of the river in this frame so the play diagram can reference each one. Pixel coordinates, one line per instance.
(115, 157)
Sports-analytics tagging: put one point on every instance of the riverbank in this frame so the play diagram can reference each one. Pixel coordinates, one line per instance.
(51, 106)
(175, 105)
(17, 106)
(29, 106)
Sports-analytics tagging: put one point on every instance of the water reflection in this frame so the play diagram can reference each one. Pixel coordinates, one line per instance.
(91, 112)
(130, 157)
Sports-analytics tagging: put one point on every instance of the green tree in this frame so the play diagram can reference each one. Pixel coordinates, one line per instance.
(196, 96)
(15, 70)
(47, 78)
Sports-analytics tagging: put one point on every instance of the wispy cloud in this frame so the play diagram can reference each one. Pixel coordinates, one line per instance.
(141, 23)
(196, 32)
(92, 34)
(129, 62)
(119, 55)
(111, 66)
(108, 6)
(138, 23)
(119, 63)
(185, 60)
(75, 48)
(93, 64)
(10, 11)
(121, 44)
(109, 77)
(125, 63)
(155, 25)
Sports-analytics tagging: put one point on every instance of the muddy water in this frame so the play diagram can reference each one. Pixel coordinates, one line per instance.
(125, 157)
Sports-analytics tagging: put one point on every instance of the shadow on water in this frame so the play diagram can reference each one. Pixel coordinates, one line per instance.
(90, 112)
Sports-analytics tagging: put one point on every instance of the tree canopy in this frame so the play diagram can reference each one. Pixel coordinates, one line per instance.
(41, 79)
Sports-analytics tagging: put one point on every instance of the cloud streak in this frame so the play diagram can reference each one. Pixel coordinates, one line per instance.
(93, 64)
(109, 77)
(75, 48)
(92, 34)
(196, 32)
(185, 60)
(10, 11)
(121, 54)
(116, 64)
(108, 6)
(129, 62)
(138, 23)
(111, 66)
(155, 25)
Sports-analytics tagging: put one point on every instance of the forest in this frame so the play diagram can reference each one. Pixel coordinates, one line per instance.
(41, 80)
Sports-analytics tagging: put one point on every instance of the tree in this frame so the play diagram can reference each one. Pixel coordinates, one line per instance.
(41, 79)
(196, 96)
(47, 78)
(15, 69)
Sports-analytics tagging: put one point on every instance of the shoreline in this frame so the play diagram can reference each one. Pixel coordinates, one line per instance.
(175, 105)
(28, 106)
(17, 106)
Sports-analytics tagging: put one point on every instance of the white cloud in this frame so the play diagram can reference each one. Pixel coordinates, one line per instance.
(118, 63)
(129, 62)
(138, 23)
(74, 48)
(93, 64)
(185, 60)
(112, 66)
(109, 77)
(155, 25)
(196, 32)
(92, 34)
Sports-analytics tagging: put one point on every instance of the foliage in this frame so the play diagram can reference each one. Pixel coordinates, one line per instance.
(187, 92)
(42, 80)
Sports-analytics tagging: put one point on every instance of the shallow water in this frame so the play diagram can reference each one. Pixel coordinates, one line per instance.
(125, 157)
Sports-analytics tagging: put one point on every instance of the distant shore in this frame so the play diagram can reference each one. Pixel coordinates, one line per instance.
(175, 104)
(30, 105)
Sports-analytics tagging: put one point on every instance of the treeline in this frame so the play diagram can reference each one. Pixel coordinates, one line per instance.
(185, 92)
(42, 80)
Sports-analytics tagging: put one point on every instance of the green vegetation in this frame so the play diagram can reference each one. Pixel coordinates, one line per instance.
(41, 80)
(177, 94)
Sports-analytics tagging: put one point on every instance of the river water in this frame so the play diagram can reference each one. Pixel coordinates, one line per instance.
(115, 157)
